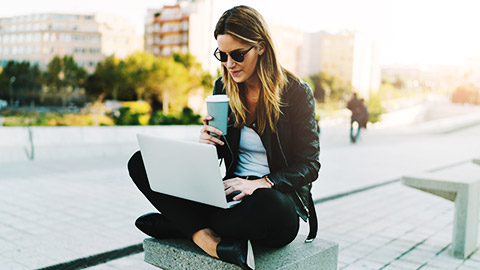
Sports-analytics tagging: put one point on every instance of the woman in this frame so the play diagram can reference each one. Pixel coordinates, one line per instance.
(271, 152)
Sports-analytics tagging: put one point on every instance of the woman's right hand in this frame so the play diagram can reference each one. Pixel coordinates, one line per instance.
(205, 136)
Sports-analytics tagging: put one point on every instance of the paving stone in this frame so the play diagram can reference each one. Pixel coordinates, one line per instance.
(64, 199)
(384, 255)
(405, 264)
(346, 259)
(366, 263)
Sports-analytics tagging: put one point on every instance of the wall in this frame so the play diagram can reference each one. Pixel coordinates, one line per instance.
(39, 143)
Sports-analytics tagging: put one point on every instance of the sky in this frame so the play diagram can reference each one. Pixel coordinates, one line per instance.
(407, 32)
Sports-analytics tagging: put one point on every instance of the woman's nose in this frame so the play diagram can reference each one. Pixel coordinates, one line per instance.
(230, 62)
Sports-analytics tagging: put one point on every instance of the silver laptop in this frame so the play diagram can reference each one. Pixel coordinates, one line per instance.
(183, 169)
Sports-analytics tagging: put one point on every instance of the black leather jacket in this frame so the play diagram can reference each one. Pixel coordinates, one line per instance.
(292, 152)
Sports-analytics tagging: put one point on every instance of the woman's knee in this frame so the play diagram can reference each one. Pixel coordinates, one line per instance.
(136, 169)
(280, 212)
(134, 162)
(273, 204)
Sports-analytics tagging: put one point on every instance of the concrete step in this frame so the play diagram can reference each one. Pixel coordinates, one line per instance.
(184, 254)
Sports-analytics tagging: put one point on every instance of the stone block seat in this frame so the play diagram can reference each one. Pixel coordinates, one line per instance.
(184, 254)
(460, 184)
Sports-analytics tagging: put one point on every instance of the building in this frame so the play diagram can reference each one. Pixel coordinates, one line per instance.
(288, 44)
(310, 58)
(90, 38)
(166, 30)
(185, 27)
(349, 56)
(352, 58)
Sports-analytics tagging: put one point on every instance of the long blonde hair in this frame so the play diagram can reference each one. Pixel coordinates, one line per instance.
(248, 26)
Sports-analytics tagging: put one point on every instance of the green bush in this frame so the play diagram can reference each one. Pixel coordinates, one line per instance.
(187, 117)
(125, 117)
(375, 108)
(35, 118)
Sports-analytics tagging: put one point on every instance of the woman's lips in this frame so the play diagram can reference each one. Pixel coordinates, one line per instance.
(235, 73)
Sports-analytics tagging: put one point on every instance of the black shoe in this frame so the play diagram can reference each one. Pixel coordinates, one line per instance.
(237, 252)
(157, 226)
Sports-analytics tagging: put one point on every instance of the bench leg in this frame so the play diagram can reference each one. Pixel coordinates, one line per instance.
(465, 223)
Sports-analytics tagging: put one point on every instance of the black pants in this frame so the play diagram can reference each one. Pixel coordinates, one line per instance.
(267, 217)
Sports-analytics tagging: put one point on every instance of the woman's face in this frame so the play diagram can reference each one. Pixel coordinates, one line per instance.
(240, 71)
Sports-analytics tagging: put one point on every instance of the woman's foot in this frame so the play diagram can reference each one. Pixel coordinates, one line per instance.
(157, 226)
(238, 252)
(207, 240)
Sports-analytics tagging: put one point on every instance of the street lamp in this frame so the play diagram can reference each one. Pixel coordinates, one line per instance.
(10, 89)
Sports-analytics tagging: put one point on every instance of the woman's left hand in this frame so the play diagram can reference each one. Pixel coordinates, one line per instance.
(246, 187)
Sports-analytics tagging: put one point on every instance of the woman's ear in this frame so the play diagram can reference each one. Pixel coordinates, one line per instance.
(261, 47)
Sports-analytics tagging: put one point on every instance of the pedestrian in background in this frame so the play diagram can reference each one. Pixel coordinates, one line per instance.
(365, 116)
(357, 109)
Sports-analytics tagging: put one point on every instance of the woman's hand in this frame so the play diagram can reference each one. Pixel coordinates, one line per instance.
(246, 187)
(205, 136)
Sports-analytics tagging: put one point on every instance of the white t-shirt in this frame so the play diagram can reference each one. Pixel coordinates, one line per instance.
(252, 156)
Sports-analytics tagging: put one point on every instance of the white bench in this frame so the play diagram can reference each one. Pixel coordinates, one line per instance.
(460, 184)
(175, 254)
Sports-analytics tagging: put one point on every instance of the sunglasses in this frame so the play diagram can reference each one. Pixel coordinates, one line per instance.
(235, 55)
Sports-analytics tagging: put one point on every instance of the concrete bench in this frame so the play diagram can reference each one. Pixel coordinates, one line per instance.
(459, 184)
(184, 254)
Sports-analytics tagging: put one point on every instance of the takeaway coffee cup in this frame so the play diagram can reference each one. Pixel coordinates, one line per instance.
(217, 107)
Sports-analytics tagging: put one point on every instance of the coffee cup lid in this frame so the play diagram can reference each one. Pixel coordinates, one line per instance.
(217, 98)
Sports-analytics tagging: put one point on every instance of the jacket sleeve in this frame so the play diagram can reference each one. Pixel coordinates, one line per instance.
(219, 89)
(303, 146)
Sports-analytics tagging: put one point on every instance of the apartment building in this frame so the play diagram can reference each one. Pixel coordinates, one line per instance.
(166, 30)
(90, 38)
(349, 56)
(184, 27)
(288, 43)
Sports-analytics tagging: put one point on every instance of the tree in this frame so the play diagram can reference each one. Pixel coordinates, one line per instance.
(137, 69)
(64, 76)
(328, 86)
(20, 81)
(107, 79)
(198, 76)
(171, 81)
(164, 81)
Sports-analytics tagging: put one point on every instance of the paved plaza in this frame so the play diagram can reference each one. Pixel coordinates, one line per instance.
(59, 211)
